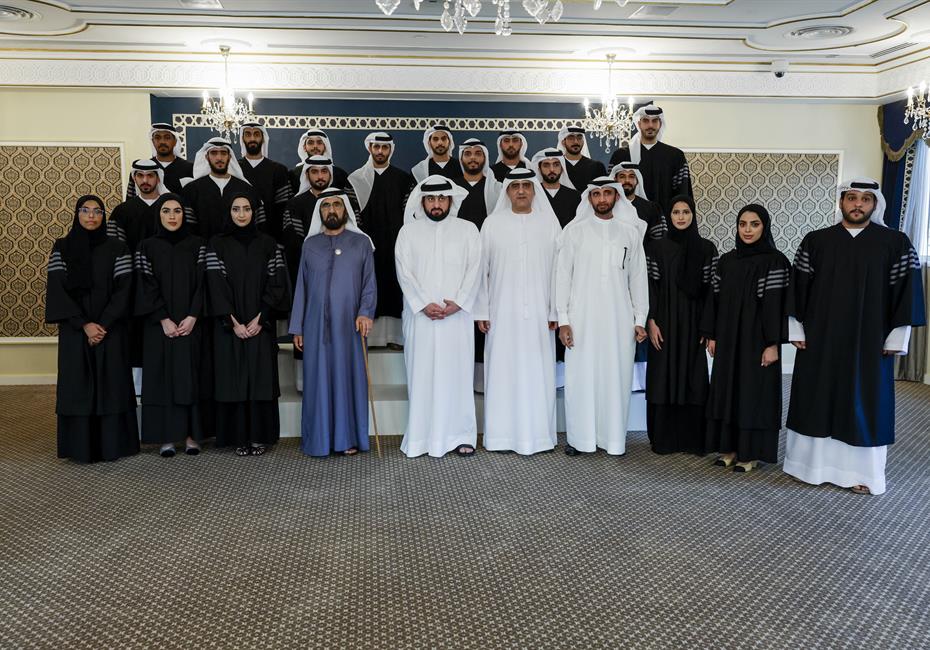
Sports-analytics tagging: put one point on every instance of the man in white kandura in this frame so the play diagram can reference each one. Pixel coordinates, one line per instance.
(516, 310)
(602, 295)
(438, 258)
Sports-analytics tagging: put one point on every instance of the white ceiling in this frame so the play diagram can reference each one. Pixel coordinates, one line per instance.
(713, 47)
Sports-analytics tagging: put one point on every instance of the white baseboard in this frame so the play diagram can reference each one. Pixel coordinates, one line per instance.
(27, 380)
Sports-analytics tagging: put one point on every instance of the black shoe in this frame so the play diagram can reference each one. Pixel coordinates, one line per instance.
(192, 451)
(571, 451)
(167, 452)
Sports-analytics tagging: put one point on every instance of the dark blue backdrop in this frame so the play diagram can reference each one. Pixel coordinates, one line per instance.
(347, 144)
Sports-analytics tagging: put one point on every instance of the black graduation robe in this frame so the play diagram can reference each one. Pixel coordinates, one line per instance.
(95, 400)
(245, 278)
(501, 169)
(849, 293)
(381, 220)
(131, 222)
(174, 171)
(171, 284)
(665, 172)
(206, 210)
(273, 185)
(473, 207)
(294, 227)
(584, 171)
(340, 178)
(676, 377)
(651, 213)
(452, 170)
(564, 204)
(749, 315)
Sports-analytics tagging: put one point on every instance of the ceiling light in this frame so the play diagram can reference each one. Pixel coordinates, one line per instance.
(8, 13)
(201, 4)
(821, 32)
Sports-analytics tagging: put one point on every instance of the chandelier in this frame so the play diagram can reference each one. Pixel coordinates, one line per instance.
(612, 122)
(918, 108)
(455, 13)
(226, 113)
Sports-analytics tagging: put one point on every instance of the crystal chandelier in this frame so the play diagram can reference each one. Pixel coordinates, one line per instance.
(918, 108)
(612, 122)
(226, 113)
(455, 13)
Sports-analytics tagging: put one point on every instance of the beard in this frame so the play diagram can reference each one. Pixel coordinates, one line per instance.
(552, 177)
(629, 189)
(319, 184)
(163, 149)
(437, 214)
(857, 217)
(146, 188)
(574, 149)
(335, 222)
(439, 149)
(253, 148)
(379, 158)
(603, 208)
(219, 168)
(473, 166)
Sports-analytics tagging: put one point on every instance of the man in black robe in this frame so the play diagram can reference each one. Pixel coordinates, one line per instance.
(382, 190)
(269, 178)
(132, 221)
(630, 178)
(166, 151)
(562, 195)
(855, 294)
(439, 145)
(317, 176)
(483, 189)
(578, 163)
(315, 142)
(511, 154)
(664, 168)
(216, 175)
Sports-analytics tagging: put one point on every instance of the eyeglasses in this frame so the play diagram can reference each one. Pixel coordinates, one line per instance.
(97, 212)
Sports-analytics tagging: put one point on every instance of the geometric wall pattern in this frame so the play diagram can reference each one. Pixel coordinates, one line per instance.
(552, 125)
(38, 188)
(797, 189)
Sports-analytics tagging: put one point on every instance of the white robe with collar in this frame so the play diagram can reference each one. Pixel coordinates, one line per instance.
(603, 293)
(437, 261)
(518, 298)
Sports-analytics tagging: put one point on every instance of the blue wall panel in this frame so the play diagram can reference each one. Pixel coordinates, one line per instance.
(348, 142)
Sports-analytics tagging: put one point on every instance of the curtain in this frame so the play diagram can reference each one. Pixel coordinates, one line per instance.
(915, 223)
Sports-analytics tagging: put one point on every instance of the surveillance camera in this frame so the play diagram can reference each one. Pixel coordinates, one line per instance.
(779, 68)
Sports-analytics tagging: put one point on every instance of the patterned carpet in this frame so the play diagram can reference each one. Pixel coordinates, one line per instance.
(495, 551)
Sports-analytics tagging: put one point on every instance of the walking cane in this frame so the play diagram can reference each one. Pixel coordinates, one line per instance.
(371, 398)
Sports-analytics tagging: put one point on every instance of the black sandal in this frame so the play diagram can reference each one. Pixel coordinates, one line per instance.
(243, 451)
(465, 450)
(258, 450)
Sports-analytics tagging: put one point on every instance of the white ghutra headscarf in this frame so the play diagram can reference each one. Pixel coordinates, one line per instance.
(363, 178)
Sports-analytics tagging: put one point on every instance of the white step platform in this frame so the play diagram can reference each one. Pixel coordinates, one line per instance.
(389, 388)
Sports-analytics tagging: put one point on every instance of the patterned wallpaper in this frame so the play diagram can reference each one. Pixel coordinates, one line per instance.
(38, 188)
(798, 190)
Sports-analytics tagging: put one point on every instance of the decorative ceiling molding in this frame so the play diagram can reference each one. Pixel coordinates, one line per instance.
(436, 81)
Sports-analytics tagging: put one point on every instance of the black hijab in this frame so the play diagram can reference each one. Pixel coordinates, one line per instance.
(691, 267)
(765, 243)
(78, 244)
(244, 234)
(171, 236)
